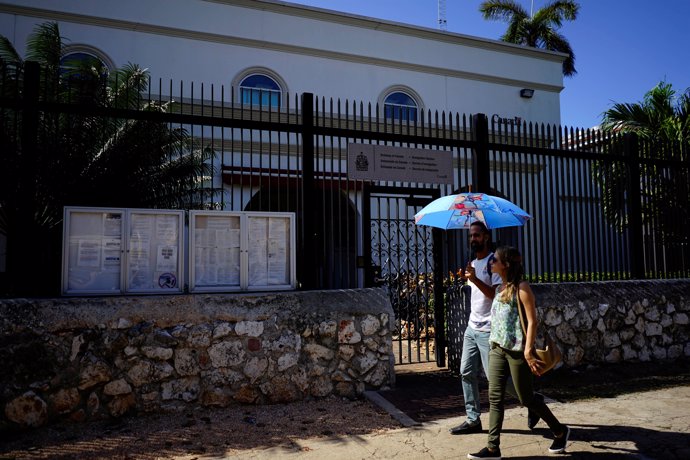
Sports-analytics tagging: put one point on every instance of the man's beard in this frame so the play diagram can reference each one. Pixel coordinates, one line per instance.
(476, 246)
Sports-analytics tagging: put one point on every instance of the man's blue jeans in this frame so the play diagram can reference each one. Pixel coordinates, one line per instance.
(475, 353)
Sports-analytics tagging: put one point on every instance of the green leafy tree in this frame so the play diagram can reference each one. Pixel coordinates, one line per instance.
(661, 123)
(539, 30)
(82, 157)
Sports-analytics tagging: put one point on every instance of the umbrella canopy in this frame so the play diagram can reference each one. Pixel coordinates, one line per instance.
(463, 209)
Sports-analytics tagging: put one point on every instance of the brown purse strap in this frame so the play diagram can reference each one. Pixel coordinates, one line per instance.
(521, 312)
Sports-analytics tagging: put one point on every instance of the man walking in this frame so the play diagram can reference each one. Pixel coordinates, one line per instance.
(475, 345)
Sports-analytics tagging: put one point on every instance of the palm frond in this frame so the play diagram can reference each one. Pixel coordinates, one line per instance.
(8, 53)
(538, 31)
(503, 10)
(554, 41)
(45, 46)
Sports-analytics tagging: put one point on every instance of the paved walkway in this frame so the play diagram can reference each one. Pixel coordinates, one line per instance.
(654, 424)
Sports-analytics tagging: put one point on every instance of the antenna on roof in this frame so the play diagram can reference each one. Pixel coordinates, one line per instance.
(442, 23)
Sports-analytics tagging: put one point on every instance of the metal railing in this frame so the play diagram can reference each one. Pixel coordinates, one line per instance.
(595, 197)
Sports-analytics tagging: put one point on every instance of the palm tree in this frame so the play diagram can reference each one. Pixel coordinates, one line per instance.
(661, 122)
(539, 30)
(75, 158)
(662, 116)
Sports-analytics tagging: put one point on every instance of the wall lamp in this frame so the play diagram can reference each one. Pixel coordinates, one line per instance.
(526, 93)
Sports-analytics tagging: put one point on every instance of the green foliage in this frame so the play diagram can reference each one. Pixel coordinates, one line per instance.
(77, 155)
(577, 277)
(661, 124)
(539, 30)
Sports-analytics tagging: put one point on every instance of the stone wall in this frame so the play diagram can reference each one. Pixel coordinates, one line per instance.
(84, 358)
(609, 322)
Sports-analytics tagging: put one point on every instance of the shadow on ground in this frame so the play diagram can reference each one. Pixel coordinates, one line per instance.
(200, 433)
(435, 394)
(608, 439)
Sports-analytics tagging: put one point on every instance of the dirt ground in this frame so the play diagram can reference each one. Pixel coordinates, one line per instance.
(199, 433)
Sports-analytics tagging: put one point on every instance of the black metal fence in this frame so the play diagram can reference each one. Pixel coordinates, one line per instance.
(605, 206)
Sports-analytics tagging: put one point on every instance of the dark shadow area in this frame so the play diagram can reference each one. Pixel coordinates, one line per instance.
(437, 393)
(612, 380)
(433, 395)
(649, 444)
(203, 432)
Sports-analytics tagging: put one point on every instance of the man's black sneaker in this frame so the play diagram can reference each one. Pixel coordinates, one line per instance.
(467, 428)
(485, 453)
(558, 444)
(532, 417)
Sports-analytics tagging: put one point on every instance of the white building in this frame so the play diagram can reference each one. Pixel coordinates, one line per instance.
(264, 51)
(303, 49)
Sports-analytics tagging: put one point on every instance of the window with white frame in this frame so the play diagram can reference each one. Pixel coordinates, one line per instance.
(260, 90)
(74, 62)
(399, 105)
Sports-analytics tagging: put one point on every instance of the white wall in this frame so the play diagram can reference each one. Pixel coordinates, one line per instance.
(313, 50)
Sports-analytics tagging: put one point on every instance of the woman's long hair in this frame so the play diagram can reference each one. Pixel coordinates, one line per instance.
(511, 258)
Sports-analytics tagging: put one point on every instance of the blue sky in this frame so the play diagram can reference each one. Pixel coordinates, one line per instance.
(622, 48)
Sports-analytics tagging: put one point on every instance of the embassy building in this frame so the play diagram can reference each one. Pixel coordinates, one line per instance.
(352, 123)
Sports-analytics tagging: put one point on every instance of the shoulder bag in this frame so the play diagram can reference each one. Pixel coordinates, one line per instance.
(551, 354)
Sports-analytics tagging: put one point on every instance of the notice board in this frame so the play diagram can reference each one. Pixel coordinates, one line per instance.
(241, 251)
(92, 251)
(118, 250)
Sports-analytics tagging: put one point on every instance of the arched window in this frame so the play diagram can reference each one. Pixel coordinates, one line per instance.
(260, 90)
(400, 106)
(74, 63)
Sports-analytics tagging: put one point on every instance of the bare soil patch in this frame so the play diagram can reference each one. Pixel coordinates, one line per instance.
(199, 433)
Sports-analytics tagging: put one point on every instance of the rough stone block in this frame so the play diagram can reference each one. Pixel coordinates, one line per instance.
(227, 354)
(65, 400)
(93, 374)
(316, 352)
(249, 328)
(187, 361)
(369, 325)
(185, 389)
(255, 368)
(158, 353)
(117, 387)
(121, 404)
(27, 410)
(221, 330)
(347, 332)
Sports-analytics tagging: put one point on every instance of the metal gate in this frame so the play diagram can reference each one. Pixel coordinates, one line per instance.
(402, 257)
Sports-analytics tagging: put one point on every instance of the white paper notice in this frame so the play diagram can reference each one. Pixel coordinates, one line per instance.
(112, 225)
(217, 251)
(258, 227)
(228, 271)
(278, 251)
(258, 263)
(166, 258)
(89, 253)
(142, 226)
(111, 254)
(166, 229)
(228, 238)
(139, 255)
(277, 262)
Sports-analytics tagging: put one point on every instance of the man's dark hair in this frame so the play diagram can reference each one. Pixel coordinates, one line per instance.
(481, 225)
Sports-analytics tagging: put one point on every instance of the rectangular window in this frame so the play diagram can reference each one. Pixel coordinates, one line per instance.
(260, 97)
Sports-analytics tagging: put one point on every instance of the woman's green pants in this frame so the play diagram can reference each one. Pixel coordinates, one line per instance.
(503, 364)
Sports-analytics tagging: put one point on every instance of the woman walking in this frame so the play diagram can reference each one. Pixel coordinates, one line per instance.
(512, 354)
